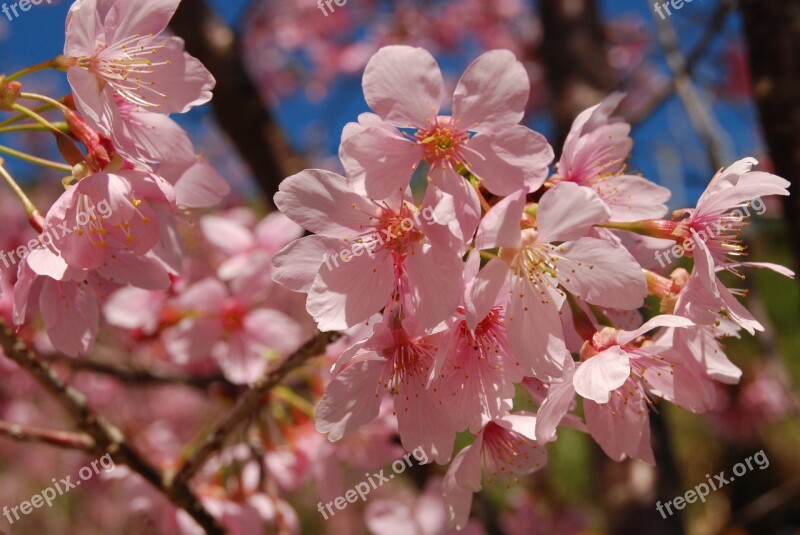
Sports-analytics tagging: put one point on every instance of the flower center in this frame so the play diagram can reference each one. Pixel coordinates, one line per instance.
(232, 316)
(442, 142)
(126, 66)
(408, 363)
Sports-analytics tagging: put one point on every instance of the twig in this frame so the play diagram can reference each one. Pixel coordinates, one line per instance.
(61, 439)
(106, 436)
(716, 23)
(701, 117)
(143, 377)
(246, 404)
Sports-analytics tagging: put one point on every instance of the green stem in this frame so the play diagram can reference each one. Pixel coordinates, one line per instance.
(293, 399)
(28, 70)
(38, 118)
(60, 63)
(19, 117)
(43, 98)
(635, 226)
(30, 208)
(34, 160)
(62, 126)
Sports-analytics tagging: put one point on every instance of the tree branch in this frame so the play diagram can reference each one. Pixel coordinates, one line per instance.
(38, 435)
(237, 104)
(105, 435)
(247, 404)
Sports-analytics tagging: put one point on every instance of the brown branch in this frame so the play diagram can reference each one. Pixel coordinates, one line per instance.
(106, 436)
(237, 104)
(139, 376)
(247, 404)
(38, 435)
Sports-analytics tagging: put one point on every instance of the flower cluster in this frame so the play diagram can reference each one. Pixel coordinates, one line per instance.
(526, 278)
(126, 79)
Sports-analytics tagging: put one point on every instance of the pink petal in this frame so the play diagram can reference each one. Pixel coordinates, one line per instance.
(380, 162)
(350, 400)
(125, 19)
(601, 273)
(513, 158)
(492, 92)
(323, 203)
(534, 330)
(227, 235)
(347, 294)
(560, 396)
(71, 316)
(463, 202)
(297, 264)
(191, 339)
(633, 198)
(603, 373)
(435, 282)
(200, 186)
(139, 271)
(484, 291)
(500, 226)
(663, 320)
(404, 86)
(462, 479)
(568, 212)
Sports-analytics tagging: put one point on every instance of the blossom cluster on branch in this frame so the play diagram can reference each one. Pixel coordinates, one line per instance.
(479, 287)
(519, 270)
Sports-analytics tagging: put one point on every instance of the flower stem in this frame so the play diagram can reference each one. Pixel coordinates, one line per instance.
(34, 160)
(38, 118)
(58, 62)
(30, 208)
(62, 126)
(19, 117)
(43, 98)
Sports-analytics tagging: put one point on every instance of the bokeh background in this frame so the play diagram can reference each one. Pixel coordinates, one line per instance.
(716, 81)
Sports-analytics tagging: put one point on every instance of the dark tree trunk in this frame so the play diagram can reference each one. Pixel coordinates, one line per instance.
(574, 55)
(772, 30)
(237, 104)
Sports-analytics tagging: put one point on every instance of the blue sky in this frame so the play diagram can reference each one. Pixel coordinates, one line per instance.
(680, 163)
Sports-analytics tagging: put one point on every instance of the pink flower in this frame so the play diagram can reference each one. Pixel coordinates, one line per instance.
(365, 254)
(594, 157)
(68, 303)
(414, 515)
(248, 249)
(107, 214)
(233, 329)
(117, 51)
(710, 233)
(615, 378)
(539, 262)
(404, 87)
(475, 368)
(505, 447)
(396, 360)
